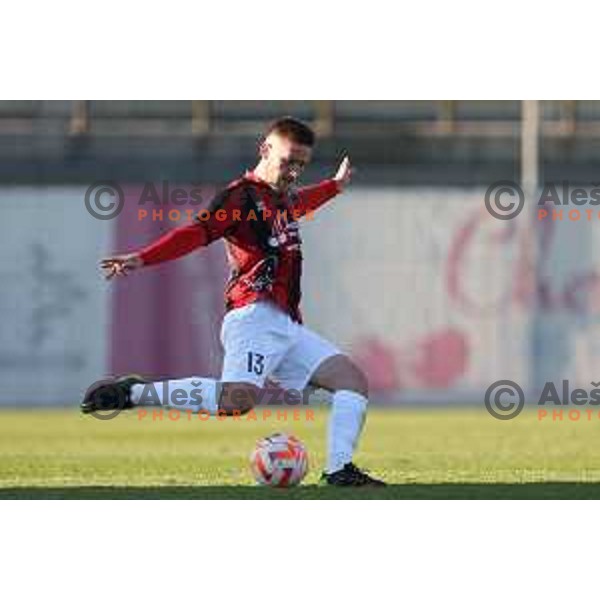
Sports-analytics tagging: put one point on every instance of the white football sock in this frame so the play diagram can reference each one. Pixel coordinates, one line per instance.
(345, 424)
(193, 393)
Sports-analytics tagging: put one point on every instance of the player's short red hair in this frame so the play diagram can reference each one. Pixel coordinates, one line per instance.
(293, 129)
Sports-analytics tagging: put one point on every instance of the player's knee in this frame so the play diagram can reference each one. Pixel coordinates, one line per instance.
(353, 379)
(238, 397)
(358, 381)
(340, 373)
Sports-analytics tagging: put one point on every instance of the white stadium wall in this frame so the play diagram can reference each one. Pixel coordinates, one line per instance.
(432, 296)
(437, 300)
(54, 309)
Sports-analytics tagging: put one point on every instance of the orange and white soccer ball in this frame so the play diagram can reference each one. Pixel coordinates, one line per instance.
(279, 460)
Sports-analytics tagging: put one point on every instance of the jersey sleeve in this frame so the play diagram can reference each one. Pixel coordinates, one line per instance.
(219, 219)
(172, 245)
(312, 197)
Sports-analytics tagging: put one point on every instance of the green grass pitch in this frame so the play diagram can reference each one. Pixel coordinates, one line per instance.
(459, 453)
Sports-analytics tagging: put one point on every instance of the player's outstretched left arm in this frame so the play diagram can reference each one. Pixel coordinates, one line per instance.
(312, 197)
(344, 173)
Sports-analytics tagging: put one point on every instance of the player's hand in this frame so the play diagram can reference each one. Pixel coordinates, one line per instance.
(344, 173)
(120, 265)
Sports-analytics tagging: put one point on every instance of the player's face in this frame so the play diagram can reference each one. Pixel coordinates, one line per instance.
(286, 160)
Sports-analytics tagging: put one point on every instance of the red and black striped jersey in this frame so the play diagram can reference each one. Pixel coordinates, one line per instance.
(259, 226)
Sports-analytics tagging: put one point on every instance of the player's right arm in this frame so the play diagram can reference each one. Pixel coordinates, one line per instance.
(180, 241)
(172, 245)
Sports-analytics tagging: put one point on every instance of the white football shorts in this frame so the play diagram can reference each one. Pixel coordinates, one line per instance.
(261, 341)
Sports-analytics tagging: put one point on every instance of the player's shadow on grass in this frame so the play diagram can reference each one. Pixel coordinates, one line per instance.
(455, 491)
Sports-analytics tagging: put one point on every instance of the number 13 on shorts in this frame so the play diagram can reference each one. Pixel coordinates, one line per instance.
(256, 363)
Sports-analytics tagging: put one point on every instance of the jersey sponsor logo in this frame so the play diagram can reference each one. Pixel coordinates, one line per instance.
(262, 275)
